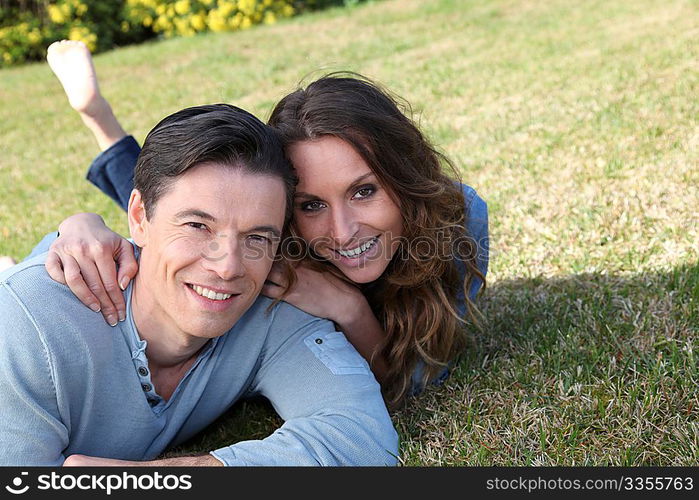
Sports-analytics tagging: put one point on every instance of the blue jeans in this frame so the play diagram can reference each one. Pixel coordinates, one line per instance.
(112, 171)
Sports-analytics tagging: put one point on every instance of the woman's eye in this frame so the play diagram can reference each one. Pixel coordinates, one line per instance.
(196, 225)
(364, 192)
(312, 206)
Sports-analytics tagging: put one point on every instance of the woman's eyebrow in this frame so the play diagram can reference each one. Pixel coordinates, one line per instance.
(358, 180)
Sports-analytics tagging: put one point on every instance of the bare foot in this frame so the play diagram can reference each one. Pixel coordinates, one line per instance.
(71, 62)
(6, 263)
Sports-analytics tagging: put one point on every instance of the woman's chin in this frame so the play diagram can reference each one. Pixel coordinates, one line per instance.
(364, 274)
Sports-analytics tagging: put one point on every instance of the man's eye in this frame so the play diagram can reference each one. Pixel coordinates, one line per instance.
(312, 206)
(364, 192)
(197, 225)
(258, 238)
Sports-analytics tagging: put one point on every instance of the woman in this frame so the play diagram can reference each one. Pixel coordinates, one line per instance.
(394, 251)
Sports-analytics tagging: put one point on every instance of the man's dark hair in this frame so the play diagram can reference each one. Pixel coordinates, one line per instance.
(215, 133)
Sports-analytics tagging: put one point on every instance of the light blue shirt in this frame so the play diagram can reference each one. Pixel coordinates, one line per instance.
(69, 383)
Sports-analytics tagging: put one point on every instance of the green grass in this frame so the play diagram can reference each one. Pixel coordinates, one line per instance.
(577, 122)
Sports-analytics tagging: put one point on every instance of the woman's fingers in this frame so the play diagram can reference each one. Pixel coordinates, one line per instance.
(55, 268)
(73, 278)
(107, 278)
(91, 277)
(126, 262)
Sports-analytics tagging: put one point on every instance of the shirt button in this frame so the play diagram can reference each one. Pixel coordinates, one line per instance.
(146, 387)
(142, 371)
(319, 341)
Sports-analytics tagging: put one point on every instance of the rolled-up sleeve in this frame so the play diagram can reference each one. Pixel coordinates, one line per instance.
(477, 228)
(330, 401)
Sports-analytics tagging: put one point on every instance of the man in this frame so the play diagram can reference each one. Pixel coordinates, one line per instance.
(212, 196)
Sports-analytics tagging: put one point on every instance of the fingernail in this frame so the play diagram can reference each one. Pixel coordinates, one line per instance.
(111, 319)
(124, 283)
(122, 316)
(95, 307)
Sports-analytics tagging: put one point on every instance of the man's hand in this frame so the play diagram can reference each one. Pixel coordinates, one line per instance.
(87, 461)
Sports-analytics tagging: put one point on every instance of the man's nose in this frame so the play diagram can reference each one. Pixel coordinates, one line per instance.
(224, 257)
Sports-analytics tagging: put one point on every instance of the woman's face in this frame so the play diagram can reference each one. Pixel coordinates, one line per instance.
(342, 211)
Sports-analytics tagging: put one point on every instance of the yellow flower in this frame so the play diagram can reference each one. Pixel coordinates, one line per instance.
(34, 37)
(84, 35)
(269, 18)
(288, 10)
(226, 8)
(182, 7)
(55, 14)
(246, 6)
(198, 21)
(80, 8)
(216, 21)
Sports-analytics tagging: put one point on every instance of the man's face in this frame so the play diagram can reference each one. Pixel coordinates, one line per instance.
(207, 248)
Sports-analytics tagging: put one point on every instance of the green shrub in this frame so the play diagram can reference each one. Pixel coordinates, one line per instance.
(27, 27)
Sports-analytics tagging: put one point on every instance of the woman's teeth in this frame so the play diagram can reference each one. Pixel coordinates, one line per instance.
(355, 252)
(210, 294)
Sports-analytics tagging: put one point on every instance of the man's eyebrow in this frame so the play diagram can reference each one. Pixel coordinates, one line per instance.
(302, 194)
(193, 212)
(265, 229)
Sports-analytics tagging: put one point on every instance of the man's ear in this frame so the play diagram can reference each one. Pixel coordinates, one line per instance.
(138, 222)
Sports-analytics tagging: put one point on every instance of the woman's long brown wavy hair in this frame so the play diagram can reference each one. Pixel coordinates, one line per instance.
(415, 299)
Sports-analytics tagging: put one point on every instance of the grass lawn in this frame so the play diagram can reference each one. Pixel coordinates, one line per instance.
(576, 121)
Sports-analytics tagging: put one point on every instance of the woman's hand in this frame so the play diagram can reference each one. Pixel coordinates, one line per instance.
(318, 293)
(85, 257)
(326, 296)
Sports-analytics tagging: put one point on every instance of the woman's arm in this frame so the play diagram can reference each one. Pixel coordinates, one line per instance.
(326, 296)
(365, 333)
(94, 262)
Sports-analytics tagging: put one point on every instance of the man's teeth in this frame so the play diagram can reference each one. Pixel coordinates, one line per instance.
(210, 294)
(359, 250)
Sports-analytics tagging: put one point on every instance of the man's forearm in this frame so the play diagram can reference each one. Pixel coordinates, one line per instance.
(191, 461)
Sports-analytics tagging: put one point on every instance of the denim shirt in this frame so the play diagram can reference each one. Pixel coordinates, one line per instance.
(476, 212)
